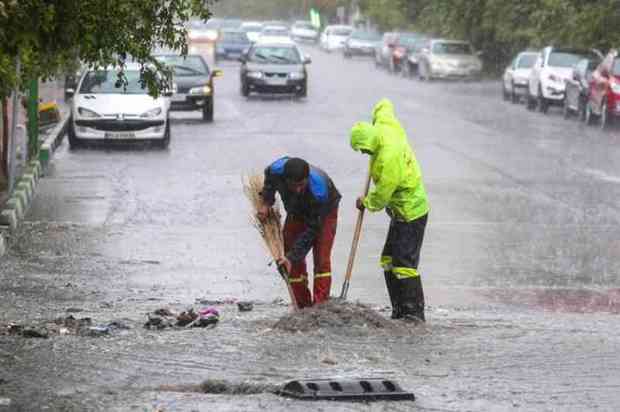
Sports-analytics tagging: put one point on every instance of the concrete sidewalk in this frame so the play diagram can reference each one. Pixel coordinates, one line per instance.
(13, 208)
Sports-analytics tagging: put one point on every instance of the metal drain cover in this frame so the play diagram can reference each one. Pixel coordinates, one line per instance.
(345, 390)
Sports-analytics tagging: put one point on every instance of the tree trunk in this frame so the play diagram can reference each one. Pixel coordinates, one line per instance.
(4, 137)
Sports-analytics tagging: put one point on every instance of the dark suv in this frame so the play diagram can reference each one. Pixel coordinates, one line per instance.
(274, 67)
(193, 82)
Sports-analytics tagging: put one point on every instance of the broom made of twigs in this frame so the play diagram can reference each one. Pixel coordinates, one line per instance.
(271, 228)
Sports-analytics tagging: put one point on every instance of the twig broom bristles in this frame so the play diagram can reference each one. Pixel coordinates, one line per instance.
(271, 228)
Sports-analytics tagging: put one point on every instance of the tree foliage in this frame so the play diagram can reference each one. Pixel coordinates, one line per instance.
(501, 28)
(49, 35)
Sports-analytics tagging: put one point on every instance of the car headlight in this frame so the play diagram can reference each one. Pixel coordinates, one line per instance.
(554, 78)
(255, 75)
(206, 90)
(615, 87)
(438, 64)
(87, 113)
(152, 113)
(296, 75)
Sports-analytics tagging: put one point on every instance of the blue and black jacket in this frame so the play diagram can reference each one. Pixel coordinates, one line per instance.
(317, 201)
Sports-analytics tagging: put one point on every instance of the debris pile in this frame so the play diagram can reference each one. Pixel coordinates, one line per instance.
(62, 326)
(164, 318)
(334, 314)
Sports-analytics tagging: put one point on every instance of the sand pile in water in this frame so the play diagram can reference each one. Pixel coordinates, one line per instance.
(334, 314)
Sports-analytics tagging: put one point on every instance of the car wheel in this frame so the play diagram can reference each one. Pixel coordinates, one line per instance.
(245, 89)
(207, 110)
(303, 92)
(423, 71)
(543, 105)
(514, 97)
(505, 94)
(604, 118)
(566, 112)
(587, 118)
(165, 142)
(74, 142)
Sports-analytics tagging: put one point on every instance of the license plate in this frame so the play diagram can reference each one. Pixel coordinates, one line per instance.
(179, 97)
(120, 135)
(277, 81)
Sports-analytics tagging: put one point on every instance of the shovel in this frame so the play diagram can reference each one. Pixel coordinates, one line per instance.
(356, 239)
(284, 275)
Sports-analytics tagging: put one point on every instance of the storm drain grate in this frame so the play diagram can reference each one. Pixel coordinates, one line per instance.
(345, 390)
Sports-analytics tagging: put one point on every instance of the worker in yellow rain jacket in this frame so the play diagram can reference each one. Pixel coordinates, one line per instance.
(399, 189)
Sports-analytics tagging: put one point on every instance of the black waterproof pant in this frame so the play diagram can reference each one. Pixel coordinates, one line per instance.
(400, 259)
(401, 253)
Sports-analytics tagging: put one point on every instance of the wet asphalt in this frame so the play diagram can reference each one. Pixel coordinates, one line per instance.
(520, 263)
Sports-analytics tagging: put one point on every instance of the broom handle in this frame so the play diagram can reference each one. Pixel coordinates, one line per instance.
(356, 239)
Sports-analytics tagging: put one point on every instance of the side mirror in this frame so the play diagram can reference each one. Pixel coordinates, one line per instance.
(70, 92)
(217, 73)
(307, 60)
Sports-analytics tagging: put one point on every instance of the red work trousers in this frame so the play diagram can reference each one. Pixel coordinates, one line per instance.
(322, 253)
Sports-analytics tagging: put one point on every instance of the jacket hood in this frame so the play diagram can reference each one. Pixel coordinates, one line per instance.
(365, 136)
(383, 111)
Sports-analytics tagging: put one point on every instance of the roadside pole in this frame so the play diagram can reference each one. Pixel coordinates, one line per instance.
(33, 119)
(12, 137)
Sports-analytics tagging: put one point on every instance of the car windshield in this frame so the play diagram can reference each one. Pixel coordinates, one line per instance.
(307, 26)
(526, 61)
(275, 31)
(451, 48)
(233, 37)
(185, 67)
(563, 59)
(107, 82)
(366, 35)
(340, 32)
(275, 55)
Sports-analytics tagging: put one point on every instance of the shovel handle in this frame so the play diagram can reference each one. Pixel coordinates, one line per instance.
(284, 274)
(356, 239)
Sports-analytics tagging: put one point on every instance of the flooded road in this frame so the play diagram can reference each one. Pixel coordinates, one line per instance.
(520, 263)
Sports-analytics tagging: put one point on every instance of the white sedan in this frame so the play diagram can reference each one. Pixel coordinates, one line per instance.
(104, 109)
(516, 76)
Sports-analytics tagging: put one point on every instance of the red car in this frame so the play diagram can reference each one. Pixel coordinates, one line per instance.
(604, 98)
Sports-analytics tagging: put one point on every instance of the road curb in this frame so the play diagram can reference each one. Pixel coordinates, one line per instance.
(18, 204)
(52, 142)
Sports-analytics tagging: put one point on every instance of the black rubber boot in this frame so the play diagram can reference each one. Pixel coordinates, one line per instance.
(394, 291)
(412, 299)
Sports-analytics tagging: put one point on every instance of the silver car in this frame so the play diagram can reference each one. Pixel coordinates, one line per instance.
(449, 59)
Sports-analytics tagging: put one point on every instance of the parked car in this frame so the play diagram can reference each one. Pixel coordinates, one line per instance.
(409, 62)
(361, 43)
(274, 67)
(334, 37)
(252, 30)
(449, 59)
(274, 33)
(304, 31)
(193, 80)
(547, 81)
(383, 50)
(578, 87)
(403, 42)
(231, 44)
(516, 76)
(200, 32)
(105, 109)
(604, 98)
